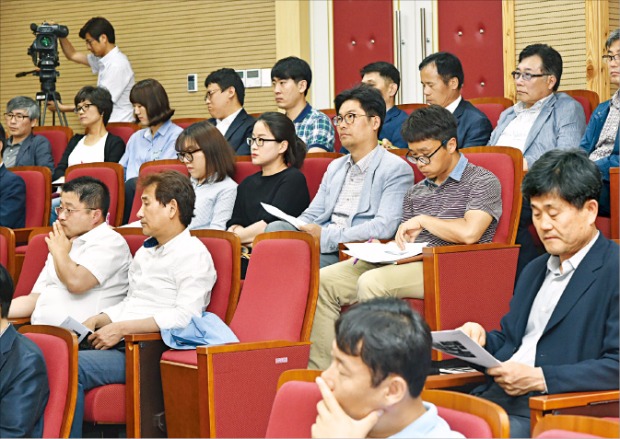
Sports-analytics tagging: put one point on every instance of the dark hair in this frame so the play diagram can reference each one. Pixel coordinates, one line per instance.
(390, 338)
(282, 129)
(96, 27)
(6, 291)
(151, 95)
(570, 174)
(384, 69)
(172, 185)
(448, 66)
(227, 78)
(369, 98)
(433, 122)
(2, 139)
(614, 36)
(92, 192)
(24, 103)
(100, 97)
(551, 60)
(219, 157)
(293, 68)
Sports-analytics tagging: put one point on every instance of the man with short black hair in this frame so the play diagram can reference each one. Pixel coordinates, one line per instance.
(224, 98)
(380, 359)
(385, 77)
(12, 195)
(442, 80)
(291, 78)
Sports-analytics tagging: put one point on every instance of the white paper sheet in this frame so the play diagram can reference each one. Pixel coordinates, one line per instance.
(378, 253)
(283, 216)
(73, 325)
(458, 344)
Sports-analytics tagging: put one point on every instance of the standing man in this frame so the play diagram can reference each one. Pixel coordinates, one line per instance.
(385, 77)
(224, 98)
(12, 194)
(291, 78)
(442, 79)
(108, 62)
(561, 332)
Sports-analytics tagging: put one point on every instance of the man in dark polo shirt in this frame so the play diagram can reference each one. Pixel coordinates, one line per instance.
(457, 203)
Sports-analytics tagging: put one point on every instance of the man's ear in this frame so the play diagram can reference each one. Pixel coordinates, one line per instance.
(392, 89)
(103, 39)
(396, 390)
(302, 86)
(173, 208)
(551, 81)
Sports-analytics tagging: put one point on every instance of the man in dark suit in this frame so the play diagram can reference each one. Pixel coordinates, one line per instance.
(24, 388)
(12, 194)
(442, 79)
(225, 96)
(561, 332)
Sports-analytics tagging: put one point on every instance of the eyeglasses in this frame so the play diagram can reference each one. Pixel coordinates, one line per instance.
(527, 76)
(18, 117)
(84, 108)
(187, 156)
(424, 159)
(349, 118)
(61, 209)
(210, 94)
(610, 58)
(259, 141)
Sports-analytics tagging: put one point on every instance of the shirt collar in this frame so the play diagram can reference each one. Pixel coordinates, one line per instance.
(553, 263)
(307, 109)
(230, 118)
(520, 106)
(105, 60)
(93, 234)
(364, 162)
(152, 242)
(452, 107)
(162, 131)
(457, 172)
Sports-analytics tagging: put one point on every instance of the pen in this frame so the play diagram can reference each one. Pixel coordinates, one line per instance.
(356, 259)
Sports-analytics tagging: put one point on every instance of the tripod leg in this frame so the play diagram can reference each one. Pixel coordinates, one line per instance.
(44, 110)
(62, 117)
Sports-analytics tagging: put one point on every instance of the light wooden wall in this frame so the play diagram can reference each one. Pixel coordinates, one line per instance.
(164, 40)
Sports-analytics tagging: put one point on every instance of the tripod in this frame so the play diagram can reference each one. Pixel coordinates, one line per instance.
(43, 97)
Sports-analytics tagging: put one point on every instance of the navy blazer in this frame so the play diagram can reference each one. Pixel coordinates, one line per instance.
(473, 126)
(238, 132)
(34, 151)
(12, 199)
(578, 350)
(24, 389)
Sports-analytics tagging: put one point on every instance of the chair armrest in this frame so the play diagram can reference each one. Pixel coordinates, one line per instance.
(453, 380)
(466, 248)
(249, 346)
(19, 321)
(149, 336)
(21, 235)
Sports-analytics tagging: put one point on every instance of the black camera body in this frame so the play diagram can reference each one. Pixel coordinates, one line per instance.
(44, 51)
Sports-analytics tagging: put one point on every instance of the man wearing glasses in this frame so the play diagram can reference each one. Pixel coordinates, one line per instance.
(457, 203)
(24, 148)
(86, 269)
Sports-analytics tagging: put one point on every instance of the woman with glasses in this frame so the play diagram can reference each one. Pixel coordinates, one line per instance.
(211, 165)
(275, 147)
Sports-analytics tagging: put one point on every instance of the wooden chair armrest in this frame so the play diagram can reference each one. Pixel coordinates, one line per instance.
(21, 235)
(576, 399)
(453, 380)
(19, 321)
(251, 346)
(466, 248)
(149, 336)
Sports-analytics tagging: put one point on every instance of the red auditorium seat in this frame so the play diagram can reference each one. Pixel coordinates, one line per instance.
(244, 168)
(588, 99)
(314, 168)
(184, 122)
(7, 250)
(58, 136)
(492, 107)
(124, 130)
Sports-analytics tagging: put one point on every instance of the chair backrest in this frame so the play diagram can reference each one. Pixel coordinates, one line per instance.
(34, 261)
(58, 137)
(314, 168)
(124, 130)
(38, 180)
(402, 152)
(60, 351)
(225, 249)
(588, 99)
(277, 303)
(331, 112)
(294, 410)
(113, 176)
(244, 168)
(134, 237)
(565, 426)
(492, 107)
(150, 168)
(184, 122)
(614, 195)
(470, 415)
(7, 250)
(410, 108)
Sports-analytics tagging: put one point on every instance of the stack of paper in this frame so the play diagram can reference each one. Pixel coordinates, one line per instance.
(377, 253)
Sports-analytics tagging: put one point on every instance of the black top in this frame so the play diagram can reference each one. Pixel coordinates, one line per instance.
(287, 190)
(112, 152)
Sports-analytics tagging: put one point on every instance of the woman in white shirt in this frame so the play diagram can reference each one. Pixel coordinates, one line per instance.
(210, 162)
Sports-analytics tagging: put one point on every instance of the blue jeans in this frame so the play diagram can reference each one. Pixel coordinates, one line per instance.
(96, 368)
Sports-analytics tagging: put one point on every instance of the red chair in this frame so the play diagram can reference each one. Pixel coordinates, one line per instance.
(492, 107)
(58, 137)
(113, 176)
(7, 250)
(588, 99)
(60, 350)
(615, 200)
(314, 168)
(227, 391)
(574, 426)
(410, 108)
(150, 168)
(294, 410)
(331, 113)
(184, 122)
(244, 168)
(124, 130)
(401, 152)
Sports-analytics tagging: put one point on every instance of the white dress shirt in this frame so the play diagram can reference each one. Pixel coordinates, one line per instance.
(452, 107)
(223, 124)
(519, 128)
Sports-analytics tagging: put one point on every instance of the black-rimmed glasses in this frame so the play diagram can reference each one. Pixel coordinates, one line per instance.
(18, 117)
(210, 94)
(610, 58)
(259, 141)
(349, 118)
(60, 209)
(526, 75)
(424, 159)
(187, 156)
(83, 108)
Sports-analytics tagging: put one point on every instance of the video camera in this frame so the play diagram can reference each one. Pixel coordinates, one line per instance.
(44, 49)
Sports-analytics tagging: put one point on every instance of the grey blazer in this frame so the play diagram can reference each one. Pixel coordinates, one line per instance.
(560, 124)
(35, 151)
(380, 205)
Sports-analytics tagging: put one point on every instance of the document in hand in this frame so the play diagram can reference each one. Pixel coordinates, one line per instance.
(73, 325)
(283, 216)
(459, 345)
(378, 253)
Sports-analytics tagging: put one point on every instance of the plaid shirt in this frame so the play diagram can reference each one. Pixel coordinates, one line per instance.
(315, 128)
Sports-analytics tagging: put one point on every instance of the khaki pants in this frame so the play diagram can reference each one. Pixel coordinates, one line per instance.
(346, 283)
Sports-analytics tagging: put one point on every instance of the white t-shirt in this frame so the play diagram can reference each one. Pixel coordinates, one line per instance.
(106, 255)
(83, 153)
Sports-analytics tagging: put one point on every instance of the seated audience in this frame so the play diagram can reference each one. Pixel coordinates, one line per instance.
(225, 97)
(280, 153)
(12, 195)
(601, 138)
(211, 165)
(457, 203)
(154, 142)
(86, 269)
(24, 388)
(385, 77)
(23, 148)
(442, 80)
(170, 280)
(291, 78)
(380, 359)
(561, 332)
(361, 194)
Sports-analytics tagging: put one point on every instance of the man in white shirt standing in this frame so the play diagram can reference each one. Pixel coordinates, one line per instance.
(170, 281)
(108, 62)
